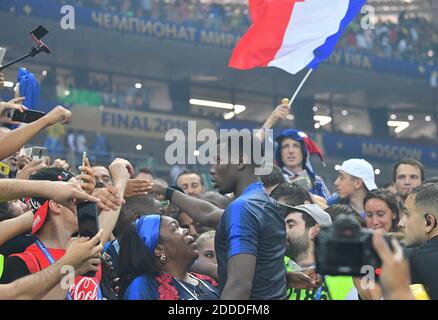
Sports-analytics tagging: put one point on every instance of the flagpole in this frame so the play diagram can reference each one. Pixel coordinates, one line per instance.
(299, 87)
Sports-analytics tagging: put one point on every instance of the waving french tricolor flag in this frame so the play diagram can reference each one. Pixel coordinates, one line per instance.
(293, 34)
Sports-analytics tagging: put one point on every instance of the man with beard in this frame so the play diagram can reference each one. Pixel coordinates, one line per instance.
(302, 226)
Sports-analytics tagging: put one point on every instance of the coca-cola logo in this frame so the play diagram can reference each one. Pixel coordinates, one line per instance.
(85, 289)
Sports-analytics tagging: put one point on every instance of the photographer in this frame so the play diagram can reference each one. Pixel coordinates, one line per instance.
(303, 224)
(11, 189)
(80, 255)
(54, 224)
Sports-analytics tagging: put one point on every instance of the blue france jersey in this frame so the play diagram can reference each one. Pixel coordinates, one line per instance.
(253, 224)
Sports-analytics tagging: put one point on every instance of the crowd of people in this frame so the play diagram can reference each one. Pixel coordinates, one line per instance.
(252, 237)
(230, 17)
(412, 38)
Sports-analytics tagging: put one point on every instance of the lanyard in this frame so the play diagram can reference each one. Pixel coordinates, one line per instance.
(49, 257)
(318, 292)
(190, 291)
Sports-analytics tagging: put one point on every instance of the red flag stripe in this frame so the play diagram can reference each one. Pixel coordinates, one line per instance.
(265, 36)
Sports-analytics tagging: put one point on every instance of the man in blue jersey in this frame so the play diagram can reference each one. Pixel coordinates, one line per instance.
(250, 238)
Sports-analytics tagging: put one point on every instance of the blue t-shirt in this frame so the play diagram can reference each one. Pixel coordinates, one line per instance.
(146, 288)
(253, 224)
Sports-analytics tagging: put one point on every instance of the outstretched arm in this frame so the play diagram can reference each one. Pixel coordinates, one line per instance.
(12, 141)
(201, 211)
(120, 170)
(37, 285)
(280, 112)
(62, 192)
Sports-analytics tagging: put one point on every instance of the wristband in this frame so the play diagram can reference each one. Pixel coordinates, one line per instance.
(169, 193)
(170, 190)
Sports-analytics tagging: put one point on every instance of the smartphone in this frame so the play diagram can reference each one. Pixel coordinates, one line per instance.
(2, 54)
(39, 32)
(84, 157)
(38, 153)
(27, 116)
(88, 222)
(35, 153)
(25, 152)
(88, 219)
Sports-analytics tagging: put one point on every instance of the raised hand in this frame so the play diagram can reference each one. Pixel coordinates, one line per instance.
(58, 114)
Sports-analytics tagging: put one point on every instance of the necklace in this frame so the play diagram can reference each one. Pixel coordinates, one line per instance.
(193, 292)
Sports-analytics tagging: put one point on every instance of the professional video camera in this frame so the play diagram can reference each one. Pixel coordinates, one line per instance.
(345, 248)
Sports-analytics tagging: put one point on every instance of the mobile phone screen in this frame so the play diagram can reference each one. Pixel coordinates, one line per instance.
(39, 32)
(88, 220)
(25, 152)
(27, 116)
(39, 152)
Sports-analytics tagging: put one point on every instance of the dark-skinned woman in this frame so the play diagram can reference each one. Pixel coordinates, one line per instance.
(155, 256)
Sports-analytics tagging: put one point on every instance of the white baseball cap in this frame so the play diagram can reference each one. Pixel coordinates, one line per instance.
(362, 169)
(313, 210)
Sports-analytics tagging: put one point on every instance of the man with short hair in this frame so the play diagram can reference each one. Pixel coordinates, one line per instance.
(191, 183)
(303, 224)
(355, 179)
(406, 175)
(419, 224)
(102, 175)
(251, 232)
(291, 194)
(80, 255)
